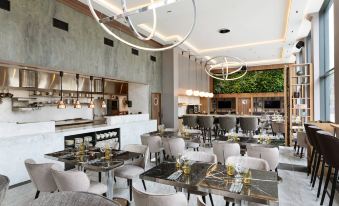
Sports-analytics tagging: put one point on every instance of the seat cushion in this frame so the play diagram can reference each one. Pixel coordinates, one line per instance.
(128, 171)
(97, 188)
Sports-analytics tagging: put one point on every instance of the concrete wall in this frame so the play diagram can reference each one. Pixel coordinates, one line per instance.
(28, 37)
(139, 95)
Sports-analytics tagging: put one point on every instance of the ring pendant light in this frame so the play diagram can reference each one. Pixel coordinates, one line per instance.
(222, 63)
(126, 15)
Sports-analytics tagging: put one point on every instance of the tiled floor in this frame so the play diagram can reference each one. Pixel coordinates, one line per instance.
(294, 189)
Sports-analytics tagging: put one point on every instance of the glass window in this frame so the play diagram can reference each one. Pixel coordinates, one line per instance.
(327, 61)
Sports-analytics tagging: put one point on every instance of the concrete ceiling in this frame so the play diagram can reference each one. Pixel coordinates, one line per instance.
(262, 31)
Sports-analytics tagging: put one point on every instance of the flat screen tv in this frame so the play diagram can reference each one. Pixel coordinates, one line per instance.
(224, 104)
(272, 104)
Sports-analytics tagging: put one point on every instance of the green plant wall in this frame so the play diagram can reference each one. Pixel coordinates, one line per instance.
(253, 82)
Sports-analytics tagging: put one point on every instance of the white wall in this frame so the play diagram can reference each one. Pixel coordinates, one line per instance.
(188, 101)
(139, 95)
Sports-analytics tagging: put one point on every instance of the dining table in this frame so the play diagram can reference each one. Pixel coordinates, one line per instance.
(213, 178)
(93, 159)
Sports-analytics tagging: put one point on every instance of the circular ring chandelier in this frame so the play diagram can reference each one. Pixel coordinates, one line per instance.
(126, 14)
(226, 68)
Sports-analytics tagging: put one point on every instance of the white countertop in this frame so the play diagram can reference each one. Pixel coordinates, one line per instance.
(10, 129)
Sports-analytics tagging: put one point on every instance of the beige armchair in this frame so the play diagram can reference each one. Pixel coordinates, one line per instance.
(173, 147)
(41, 176)
(134, 169)
(223, 150)
(249, 162)
(76, 181)
(154, 144)
(271, 155)
(148, 199)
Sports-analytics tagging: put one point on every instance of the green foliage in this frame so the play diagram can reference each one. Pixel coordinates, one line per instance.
(253, 82)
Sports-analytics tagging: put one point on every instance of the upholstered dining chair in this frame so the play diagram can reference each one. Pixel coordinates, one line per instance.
(149, 199)
(76, 181)
(278, 127)
(270, 154)
(249, 162)
(249, 124)
(223, 150)
(301, 142)
(173, 147)
(74, 199)
(200, 157)
(154, 144)
(4, 182)
(133, 169)
(41, 176)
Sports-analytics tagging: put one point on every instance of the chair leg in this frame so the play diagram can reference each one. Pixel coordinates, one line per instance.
(37, 194)
(329, 171)
(188, 196)
(105, 195)
(130, 190)
(316, 171)
(115, 180)
(301, 153)
(211, 199)
(334, 182)
(156, 158)
(227, 203)
(311, 161)
(143, 183)
(203, 199)
(298, 149)
(321, 178)
(314, 165)
(99, 176)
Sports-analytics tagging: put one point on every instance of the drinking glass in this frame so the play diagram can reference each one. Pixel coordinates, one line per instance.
(186, 167)
(230, 169)
(240, 170)
(247, 177)
(178, 161)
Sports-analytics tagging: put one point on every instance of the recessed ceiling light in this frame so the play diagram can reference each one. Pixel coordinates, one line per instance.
(224, 31)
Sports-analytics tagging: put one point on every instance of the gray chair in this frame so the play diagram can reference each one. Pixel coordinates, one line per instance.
(227, 124)
(223, 150)
(74, 199)
(4, 182)
(249, 124)
(173, 147)
(132, 170)
(206, 126)
(41, 176)
(190, 121)
(154, 144)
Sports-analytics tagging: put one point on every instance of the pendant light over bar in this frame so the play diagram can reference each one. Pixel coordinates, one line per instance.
(61, 103)
(189, 92)
(77, 104)
(91, 103)
(134, 12)
(103, 103)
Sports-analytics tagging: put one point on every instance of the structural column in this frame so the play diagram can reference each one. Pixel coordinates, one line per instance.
(336, 60)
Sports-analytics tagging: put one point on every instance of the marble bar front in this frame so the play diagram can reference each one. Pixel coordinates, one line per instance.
(33, 140)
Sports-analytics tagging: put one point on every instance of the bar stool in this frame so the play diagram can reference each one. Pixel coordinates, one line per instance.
(227, 124)
(249, 124)
(310, 140)
(313, 131)
(329, 144)
(190, 121)
(206, 126)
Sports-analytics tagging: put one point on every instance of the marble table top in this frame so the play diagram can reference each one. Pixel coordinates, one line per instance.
(93, 159)
(212, 178)
(190, 136)
(255, 141)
